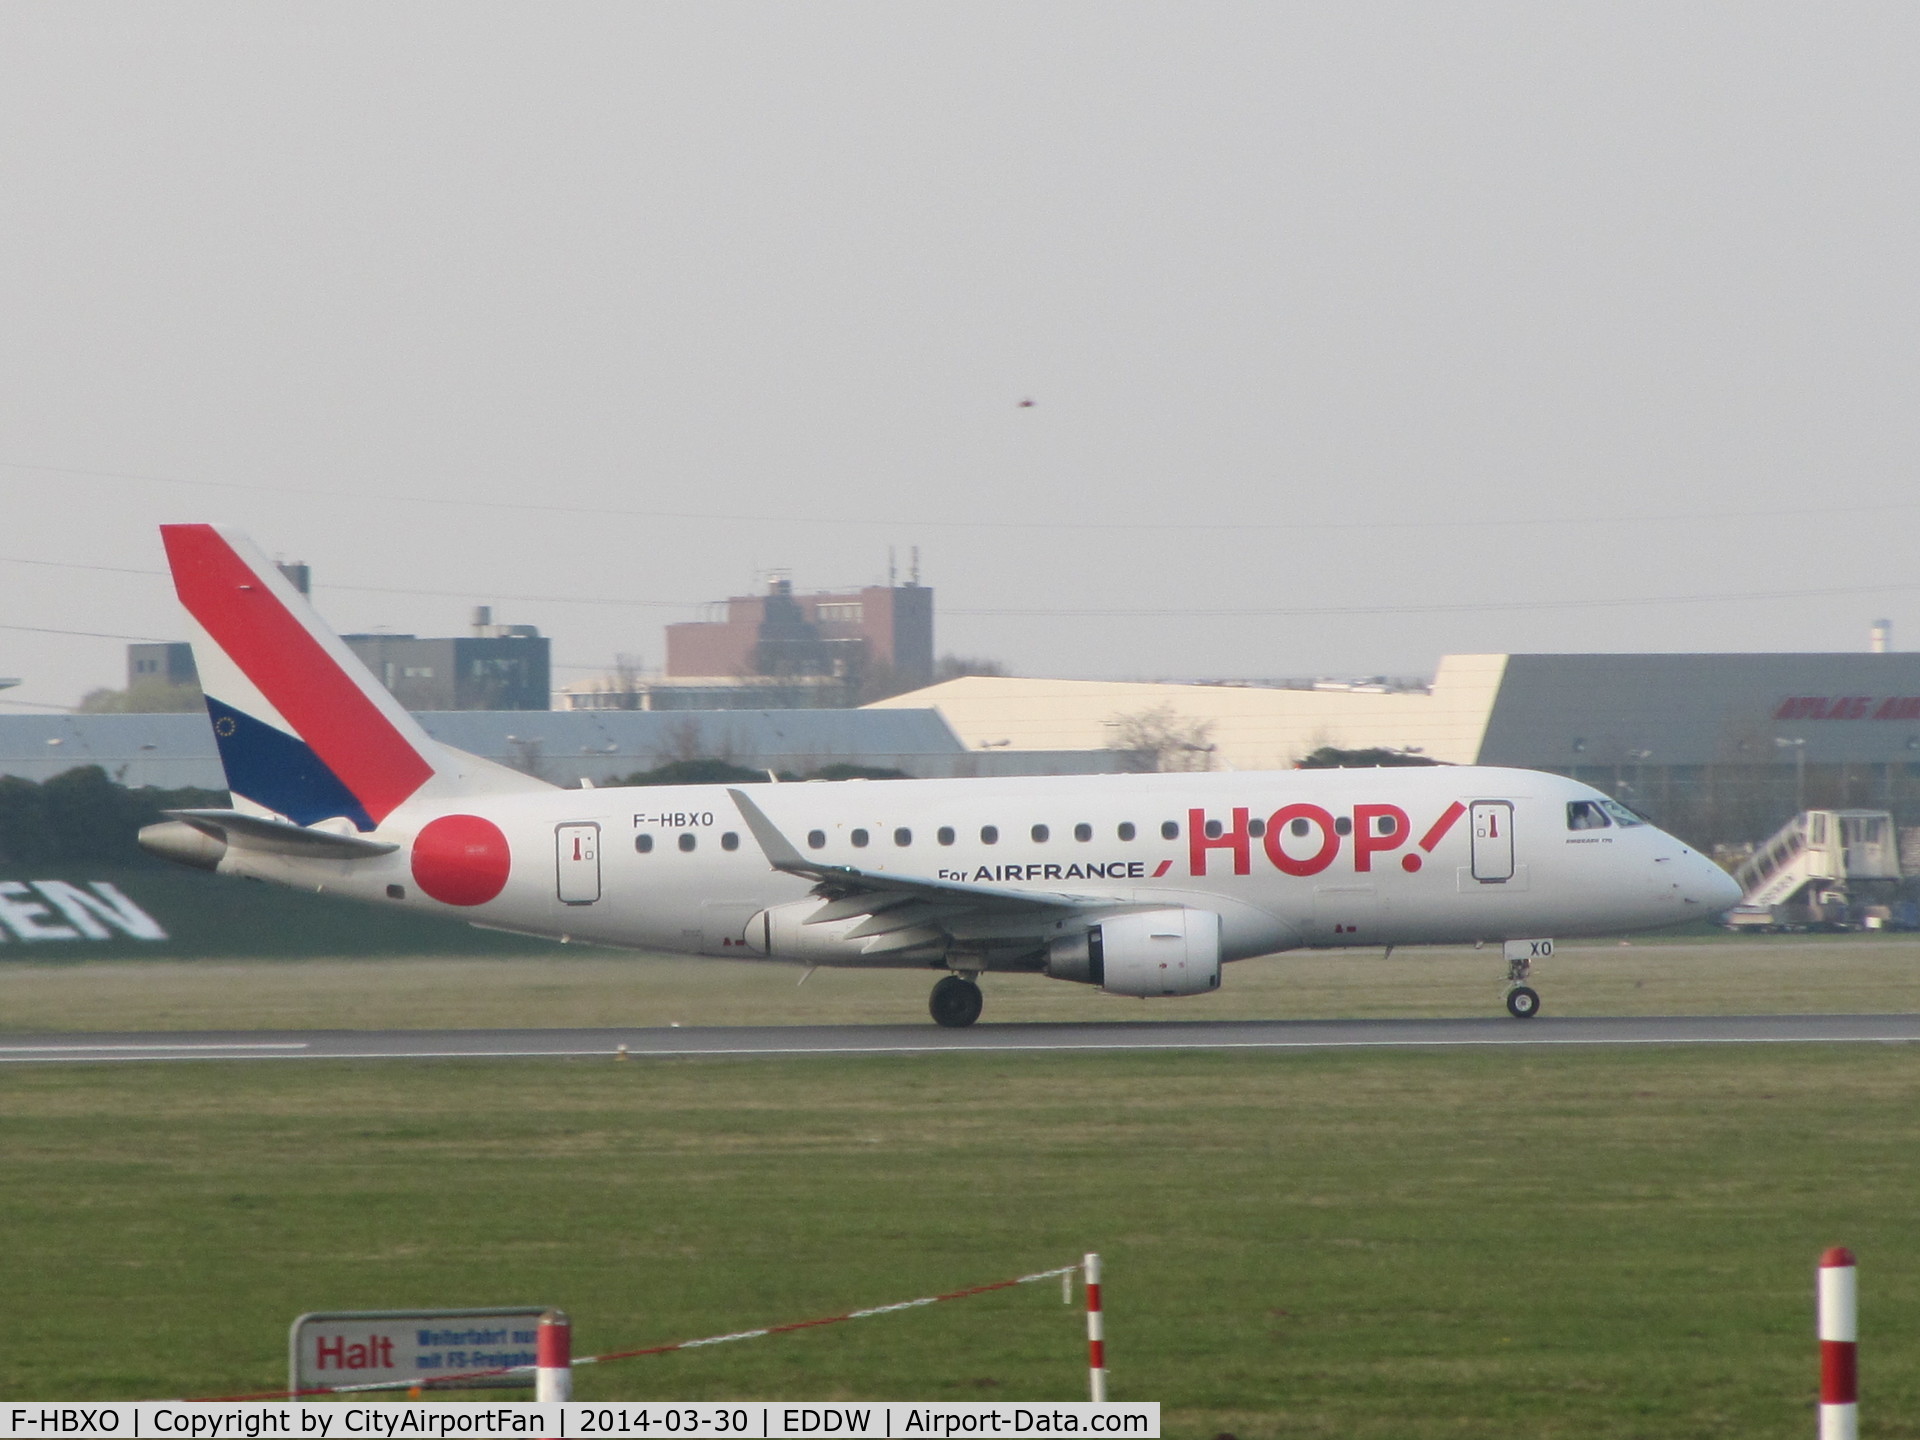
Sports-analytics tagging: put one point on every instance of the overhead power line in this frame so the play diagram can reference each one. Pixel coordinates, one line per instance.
(1176, 612)
(998, 523)
(86, 634)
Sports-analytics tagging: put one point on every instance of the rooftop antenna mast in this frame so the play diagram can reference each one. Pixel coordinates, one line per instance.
(893, 571)
(913, 571)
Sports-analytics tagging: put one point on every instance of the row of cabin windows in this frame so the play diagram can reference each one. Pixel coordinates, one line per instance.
(688, 840)
(990, 834)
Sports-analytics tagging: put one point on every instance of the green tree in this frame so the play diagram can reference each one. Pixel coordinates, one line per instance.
(149, 697)
(81, 815)
(1329, 757)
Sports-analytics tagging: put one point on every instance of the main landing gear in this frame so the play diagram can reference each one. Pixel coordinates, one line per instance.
(1523, 1001)
(955, 1002)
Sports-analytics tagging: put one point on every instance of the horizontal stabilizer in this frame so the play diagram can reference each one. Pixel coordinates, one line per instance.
(280, 837)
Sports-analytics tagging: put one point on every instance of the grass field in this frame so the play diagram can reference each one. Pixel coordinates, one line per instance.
(1719, 975)
(1597, 1243)
(1433, 1244)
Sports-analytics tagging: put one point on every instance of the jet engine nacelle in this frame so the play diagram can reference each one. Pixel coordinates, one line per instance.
(1150, 952)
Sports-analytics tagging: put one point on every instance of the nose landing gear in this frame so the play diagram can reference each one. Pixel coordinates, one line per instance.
(1523, 1001)
(955, 1002)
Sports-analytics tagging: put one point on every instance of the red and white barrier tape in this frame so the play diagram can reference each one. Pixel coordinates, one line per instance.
(554, 1346)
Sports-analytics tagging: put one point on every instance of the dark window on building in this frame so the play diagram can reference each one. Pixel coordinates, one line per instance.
(1126, 830)
(1083, 832)
(989, 834)
(944, 835)
(1170, 830)
(1040, 833)
(903, 837)
(859, 838)
(688, 840)
(643, 843)
(729, 841)
(816, 839)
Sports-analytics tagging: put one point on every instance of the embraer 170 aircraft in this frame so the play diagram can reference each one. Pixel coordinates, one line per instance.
(1143, 885)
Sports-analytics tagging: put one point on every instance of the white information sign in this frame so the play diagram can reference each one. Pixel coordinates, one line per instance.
(399, 1348)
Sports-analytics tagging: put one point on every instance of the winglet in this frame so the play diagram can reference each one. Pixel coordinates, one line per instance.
(777, 848)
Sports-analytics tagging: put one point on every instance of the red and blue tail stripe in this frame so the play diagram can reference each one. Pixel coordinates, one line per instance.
(303, 729)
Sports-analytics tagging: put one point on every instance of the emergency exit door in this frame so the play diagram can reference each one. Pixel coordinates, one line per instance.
(577, 853)
(1492, 841)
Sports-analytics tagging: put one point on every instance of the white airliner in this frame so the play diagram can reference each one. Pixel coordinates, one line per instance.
(1143, 885)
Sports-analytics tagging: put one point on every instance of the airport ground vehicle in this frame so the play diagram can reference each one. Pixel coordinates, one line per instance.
(1143, 885)
(1822, 870)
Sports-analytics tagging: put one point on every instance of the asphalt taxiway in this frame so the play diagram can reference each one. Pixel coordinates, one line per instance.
(927, 1039)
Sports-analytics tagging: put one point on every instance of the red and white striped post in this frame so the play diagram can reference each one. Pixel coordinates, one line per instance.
(1096, 1332)
(1839, 1334)
(553, 1358)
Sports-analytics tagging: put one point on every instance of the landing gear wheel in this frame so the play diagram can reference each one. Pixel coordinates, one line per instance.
(955, 1003)
(1523, 1002)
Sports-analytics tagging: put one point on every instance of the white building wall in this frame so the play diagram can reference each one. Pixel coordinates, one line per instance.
(1252, 729)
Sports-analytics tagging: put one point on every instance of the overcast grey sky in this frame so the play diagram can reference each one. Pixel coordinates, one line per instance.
(1417, 308)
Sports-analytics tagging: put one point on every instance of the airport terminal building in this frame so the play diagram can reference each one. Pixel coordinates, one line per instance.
(1721, 748)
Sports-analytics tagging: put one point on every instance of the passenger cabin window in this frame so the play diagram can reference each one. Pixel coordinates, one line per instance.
(1301, 826)
(859, 838)
(1343, 826)
(1256, 828)
(903, 837)
(1170, 830)
(989, 834)
(1586, 815)
(816, 839)
(729, 841)
(1040, 834)
(643, 844)
(1083, 832)
(944, 835)
(1213, 829)
(688, 840)
(1126, 830)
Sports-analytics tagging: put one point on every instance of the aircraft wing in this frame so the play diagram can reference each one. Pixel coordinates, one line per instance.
(908, 910)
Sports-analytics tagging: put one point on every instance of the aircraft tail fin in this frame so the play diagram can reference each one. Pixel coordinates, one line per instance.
(303, 728)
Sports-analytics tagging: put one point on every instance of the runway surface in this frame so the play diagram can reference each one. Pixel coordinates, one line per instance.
(927, 1039)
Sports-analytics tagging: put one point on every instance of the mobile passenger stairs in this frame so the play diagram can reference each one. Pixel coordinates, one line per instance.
(1815, 871)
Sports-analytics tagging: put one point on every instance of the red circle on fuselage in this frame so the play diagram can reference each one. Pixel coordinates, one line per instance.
(461, 859)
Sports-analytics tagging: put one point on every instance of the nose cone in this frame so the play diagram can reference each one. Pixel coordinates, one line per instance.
(1708, 886)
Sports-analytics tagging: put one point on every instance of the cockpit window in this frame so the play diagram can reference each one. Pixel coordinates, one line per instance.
(1622, 816)
(1586, 815)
